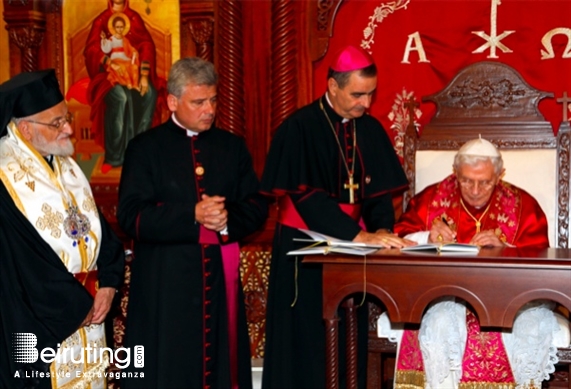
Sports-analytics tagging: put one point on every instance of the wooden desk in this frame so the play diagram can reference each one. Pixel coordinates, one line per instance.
(496, 283)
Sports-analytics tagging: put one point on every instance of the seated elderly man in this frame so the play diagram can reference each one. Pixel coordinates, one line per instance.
(473, 205)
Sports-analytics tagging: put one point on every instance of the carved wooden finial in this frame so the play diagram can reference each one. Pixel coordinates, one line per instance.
(565, 101)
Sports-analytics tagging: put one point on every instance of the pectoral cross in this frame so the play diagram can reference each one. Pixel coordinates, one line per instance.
(351, 186)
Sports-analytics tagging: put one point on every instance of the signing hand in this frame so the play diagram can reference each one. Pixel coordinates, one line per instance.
(210, 212)
(441, 232)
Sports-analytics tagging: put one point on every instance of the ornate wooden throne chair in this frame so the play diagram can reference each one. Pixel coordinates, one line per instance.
(490, 99)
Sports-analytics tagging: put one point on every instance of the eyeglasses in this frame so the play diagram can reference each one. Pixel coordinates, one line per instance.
(56, 125)
(470, 184)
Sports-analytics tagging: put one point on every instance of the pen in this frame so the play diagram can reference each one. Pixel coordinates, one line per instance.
(445, 221)
(447, 225)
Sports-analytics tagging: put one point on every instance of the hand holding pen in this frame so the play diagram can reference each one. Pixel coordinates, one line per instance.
(441, 232)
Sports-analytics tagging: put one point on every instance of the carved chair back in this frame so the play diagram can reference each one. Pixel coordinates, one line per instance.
(492, 100)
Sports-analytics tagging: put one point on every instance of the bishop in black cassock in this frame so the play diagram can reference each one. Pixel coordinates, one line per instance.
(309, 169)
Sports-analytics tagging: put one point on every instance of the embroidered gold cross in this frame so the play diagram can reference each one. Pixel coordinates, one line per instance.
(351, 186)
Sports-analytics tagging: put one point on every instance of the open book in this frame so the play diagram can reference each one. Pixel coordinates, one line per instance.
(323, 244)
(444, 248)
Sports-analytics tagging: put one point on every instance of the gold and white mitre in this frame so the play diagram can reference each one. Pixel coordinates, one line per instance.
(60, 206)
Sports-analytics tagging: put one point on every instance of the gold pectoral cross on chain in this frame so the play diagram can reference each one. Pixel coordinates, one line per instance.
(351, 186)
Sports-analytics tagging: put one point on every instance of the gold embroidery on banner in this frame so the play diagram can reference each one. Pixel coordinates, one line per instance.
(400, 119)
(493, 40)
(380, 13)
(50, 221)
(548, 53)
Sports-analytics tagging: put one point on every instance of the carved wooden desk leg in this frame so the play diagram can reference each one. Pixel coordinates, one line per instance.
(331, 356)
(351, 336)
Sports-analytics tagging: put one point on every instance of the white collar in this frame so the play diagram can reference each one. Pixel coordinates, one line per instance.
(189, 133)
(331, 105)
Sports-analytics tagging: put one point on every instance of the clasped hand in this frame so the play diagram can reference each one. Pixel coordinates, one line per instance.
(211, 212)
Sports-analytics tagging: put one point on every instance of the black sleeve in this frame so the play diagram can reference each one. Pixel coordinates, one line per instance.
(378, 212)
(140, 214)
(250, 210)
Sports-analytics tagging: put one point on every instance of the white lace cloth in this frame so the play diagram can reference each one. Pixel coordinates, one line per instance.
(442, 339)
(530, 345)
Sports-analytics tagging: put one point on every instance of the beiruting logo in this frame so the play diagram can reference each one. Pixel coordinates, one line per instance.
(24, 351)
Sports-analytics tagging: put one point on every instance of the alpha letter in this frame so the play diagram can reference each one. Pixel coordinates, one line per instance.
(414, 37)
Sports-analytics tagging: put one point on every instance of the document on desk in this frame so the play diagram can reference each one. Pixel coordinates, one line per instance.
(324, 244)
(464, 248)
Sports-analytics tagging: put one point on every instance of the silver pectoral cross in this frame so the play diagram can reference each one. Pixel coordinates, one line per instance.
(351, 186)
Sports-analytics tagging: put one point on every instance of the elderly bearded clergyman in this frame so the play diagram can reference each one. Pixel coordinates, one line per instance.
(60, 262)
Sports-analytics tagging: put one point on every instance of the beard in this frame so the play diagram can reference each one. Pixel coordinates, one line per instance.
(46, 147)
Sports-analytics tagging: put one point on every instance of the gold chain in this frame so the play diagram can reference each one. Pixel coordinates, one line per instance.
(478, 221)
(349, 186)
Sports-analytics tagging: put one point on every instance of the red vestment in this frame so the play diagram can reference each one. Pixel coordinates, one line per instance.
(514, 215)
(516, 218)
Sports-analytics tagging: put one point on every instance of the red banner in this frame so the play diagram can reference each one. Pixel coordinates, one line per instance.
(420, 45)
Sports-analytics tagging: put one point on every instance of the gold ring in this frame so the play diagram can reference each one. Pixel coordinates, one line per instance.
(439, 237)
(384, 240)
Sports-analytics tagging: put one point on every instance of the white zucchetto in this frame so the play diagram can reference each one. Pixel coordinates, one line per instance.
(479, 147)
